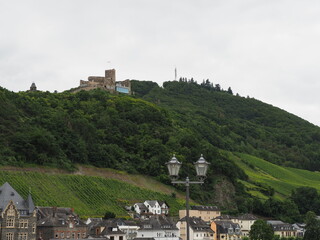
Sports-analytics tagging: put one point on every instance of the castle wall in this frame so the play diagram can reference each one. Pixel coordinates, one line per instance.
(108, 82)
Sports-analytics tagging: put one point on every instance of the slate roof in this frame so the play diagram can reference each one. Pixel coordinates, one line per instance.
(242, 217)
(108, 224)
(163, 202)
(57, 217)
(141, 238)
(247, 217)
(224, 226)
(157, 222)
(204, 208)
(142, 206)
(44, 212)
(197, 224)
(7, 193)
(152, 203)
(280, 226)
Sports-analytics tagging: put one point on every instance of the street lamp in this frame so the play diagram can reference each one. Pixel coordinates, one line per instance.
(201, 168)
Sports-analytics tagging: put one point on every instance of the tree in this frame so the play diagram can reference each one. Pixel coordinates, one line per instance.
(312, 227)
(109, 215)
(306, 198)
(261, 230)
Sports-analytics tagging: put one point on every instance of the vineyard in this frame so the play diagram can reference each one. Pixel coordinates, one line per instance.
(282, 179)
(89, 196)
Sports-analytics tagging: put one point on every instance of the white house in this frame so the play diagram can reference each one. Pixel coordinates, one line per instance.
(140, 208)
(151, 207)
(159, 228)
(164, 208)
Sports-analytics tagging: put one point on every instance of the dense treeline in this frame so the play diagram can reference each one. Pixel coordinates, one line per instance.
(238, 124)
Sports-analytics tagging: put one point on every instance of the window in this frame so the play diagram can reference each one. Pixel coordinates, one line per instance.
(23, 236)
(9, 236)
(56, 236)
(10, 221)
(33, 228)
(73, 235)
(23, 223)
(79, 235)
(62, 235)
(111, 237)
(121, 238)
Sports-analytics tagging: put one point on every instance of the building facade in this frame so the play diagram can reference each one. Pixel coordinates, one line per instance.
(159, 228)
(226, 230)
(106, 228)
(18, 216)
(59, 223)
(206, 213)
(283, 229)
(198, 229)
(245, 222)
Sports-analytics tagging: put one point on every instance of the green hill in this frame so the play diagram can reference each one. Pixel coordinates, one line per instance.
(138, 134)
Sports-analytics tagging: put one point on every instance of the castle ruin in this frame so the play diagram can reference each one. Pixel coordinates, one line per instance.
(108, 83)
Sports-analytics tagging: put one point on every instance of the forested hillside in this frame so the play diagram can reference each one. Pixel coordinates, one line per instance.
(139, 134)
(238, 124)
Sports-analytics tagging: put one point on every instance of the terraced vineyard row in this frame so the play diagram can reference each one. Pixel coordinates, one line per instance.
(89, 196)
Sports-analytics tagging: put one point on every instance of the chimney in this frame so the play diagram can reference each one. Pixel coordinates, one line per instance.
(54, 211)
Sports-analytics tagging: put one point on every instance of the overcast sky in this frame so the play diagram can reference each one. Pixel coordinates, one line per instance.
(266, 49)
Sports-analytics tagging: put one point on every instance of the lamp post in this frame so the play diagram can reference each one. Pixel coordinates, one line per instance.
(201, 168)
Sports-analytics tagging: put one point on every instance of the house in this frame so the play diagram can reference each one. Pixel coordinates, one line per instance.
(245, 222)
(206, 213)
(18, 216)
(226, 230)
(140, 208)
(283, 229)
(158, 227)
(151, 207)
(164, 208)
(59, 223)
(106, 228)
(300, 228)
(198, 229)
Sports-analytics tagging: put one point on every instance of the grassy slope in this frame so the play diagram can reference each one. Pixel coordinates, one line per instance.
(88, 195)
(282, 179)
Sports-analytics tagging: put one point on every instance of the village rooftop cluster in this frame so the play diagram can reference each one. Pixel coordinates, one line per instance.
(22, 220)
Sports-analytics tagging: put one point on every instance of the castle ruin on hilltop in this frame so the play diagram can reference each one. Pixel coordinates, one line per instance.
(108, 83)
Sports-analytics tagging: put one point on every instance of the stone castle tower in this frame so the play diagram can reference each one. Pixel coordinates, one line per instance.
(33, 87)
(108, 83)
